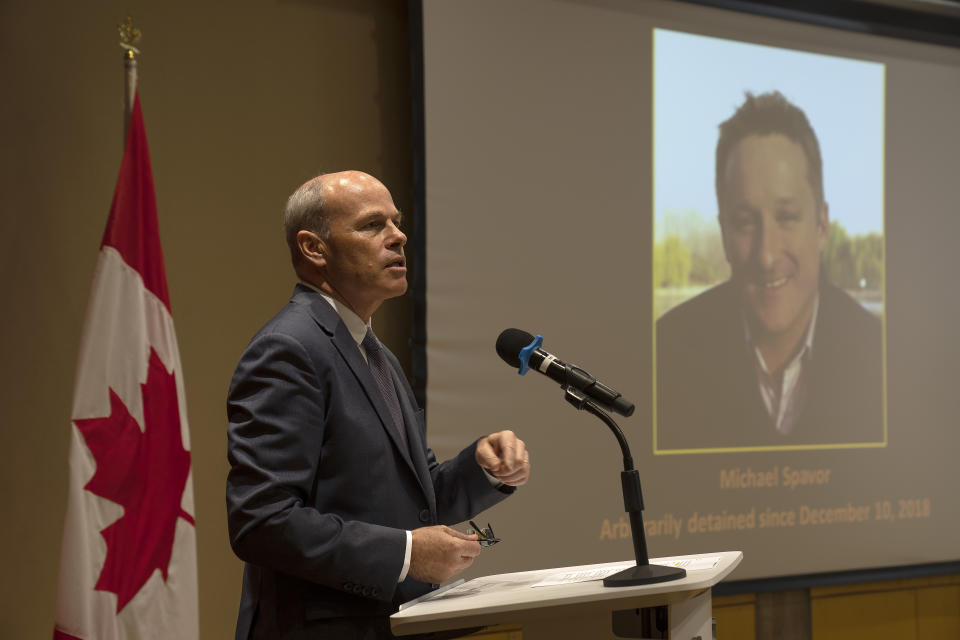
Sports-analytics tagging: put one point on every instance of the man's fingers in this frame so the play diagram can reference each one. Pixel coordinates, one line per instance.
(470, 549)
(518, 477)
(465, 562)
(515, 479)
(516, 456)
(502, 453)
(460, 534)
(440, 552)
(486, 456)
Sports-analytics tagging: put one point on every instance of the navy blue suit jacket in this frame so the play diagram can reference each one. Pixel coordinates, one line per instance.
(321, 489)
(707, 390)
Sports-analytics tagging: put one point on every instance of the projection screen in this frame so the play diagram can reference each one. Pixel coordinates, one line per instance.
(785, 328)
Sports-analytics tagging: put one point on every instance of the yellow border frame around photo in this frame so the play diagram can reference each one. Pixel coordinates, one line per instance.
(883, 315)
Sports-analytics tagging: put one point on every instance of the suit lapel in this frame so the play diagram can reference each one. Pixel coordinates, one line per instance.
(329, 320)
(344, 343)
(414, 435)
(741, 375)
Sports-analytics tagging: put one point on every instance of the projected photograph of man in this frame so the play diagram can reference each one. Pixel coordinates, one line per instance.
(783, 348)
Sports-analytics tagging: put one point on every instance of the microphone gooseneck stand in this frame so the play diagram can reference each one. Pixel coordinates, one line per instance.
(644, 572)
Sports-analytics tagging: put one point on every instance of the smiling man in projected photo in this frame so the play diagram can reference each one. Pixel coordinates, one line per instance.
(777, 355)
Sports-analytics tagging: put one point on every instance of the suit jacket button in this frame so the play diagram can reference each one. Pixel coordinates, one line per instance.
(375, 592)
(425, 515)
(367, 592)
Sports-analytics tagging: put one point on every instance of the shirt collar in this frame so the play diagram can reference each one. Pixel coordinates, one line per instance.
(805, 351)
(355, 325)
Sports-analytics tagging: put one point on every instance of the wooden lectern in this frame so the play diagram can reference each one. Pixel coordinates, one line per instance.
(679, 610)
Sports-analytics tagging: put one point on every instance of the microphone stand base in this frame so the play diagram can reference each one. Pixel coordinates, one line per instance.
(644, 574)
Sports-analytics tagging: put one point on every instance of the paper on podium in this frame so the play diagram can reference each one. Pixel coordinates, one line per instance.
(432, 594)
(569, 577)
(693, 563)
(584, 575)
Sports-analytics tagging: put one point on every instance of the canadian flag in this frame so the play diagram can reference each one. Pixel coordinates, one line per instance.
(128, 565)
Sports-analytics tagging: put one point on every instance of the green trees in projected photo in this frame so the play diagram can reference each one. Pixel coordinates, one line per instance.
(689, 252)
(688, 258)
(855, 263)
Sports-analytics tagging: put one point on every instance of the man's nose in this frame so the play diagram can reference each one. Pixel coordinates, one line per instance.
(396, 237)
(768, 245)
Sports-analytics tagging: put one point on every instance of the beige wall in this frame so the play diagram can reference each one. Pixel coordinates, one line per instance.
(242, 102)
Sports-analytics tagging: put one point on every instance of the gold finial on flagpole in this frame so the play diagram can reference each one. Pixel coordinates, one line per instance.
(129, 39)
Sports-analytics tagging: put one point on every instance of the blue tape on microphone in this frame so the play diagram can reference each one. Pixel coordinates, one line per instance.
(526, 352)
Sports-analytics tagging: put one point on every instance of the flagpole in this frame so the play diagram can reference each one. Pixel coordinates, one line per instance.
(132, 576)
(129, 39)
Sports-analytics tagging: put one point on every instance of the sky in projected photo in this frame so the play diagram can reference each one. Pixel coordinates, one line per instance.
(700, 81)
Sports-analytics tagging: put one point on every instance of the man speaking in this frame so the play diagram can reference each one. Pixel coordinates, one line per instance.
(334, 501)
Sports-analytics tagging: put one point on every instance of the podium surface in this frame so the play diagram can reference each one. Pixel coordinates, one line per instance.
(574, 610)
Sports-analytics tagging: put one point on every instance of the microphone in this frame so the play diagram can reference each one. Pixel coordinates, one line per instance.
(521, 350)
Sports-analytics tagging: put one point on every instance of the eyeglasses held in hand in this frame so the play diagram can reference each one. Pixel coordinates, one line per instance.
(486, 537)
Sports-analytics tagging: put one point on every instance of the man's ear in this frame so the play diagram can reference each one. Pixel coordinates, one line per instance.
(312, 249)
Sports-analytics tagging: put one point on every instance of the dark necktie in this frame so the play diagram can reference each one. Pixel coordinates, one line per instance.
(381, 373)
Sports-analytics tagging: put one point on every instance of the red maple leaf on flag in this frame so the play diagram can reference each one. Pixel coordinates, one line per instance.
(145, 472)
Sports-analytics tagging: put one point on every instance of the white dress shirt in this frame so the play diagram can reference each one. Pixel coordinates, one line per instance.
(784, 395)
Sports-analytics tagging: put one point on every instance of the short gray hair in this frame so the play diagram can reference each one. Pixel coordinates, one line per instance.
(304, 212)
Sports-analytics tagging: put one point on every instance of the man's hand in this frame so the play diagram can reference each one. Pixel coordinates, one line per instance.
(439, 553)
(505, 457)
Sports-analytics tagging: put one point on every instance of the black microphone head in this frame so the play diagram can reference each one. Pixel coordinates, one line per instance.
(509, 344)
